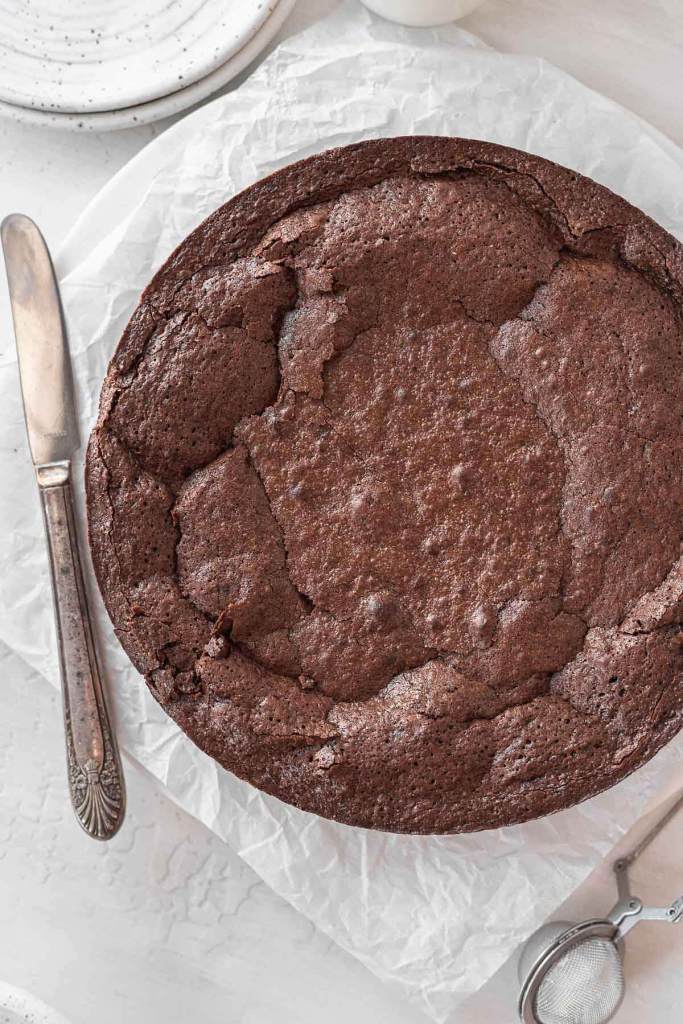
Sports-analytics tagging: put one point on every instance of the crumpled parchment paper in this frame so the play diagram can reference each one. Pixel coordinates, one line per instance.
(434, 916)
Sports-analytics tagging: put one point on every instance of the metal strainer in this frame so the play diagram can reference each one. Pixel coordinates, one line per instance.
(573, 973)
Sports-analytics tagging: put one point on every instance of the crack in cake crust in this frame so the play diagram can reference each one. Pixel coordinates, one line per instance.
(330, 664)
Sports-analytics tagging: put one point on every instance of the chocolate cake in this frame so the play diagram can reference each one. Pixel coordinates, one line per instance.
(385, 493)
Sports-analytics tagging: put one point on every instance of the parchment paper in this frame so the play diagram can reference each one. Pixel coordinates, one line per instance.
(433, 916)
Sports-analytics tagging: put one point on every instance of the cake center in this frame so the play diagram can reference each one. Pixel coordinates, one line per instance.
(417, 499)
(402, 498)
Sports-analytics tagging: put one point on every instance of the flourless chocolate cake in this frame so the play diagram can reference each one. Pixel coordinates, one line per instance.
(385, 494)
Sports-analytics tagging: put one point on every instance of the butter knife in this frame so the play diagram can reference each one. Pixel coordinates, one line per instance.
(93, 764)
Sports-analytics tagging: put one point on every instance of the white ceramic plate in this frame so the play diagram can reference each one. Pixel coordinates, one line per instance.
(101, 55)
(20, 1007)
(165, 106)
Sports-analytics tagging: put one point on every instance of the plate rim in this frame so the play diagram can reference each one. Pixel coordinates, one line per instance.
(164, 106)
(148, 91)
(27, 1007)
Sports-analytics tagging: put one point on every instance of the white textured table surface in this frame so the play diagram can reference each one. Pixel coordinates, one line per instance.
(166, 923)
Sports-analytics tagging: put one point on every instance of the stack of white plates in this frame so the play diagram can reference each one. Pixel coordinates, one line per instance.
(96, 65)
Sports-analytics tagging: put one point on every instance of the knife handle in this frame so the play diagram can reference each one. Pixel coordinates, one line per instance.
(94, 768)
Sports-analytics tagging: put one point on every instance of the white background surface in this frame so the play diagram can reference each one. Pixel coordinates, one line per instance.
(166, 923)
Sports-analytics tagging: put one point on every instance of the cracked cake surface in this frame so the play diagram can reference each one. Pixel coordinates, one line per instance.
(385, 493)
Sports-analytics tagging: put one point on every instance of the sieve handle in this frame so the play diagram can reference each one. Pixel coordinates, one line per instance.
(672, 913)
(629, 905)
(627, 913)
(622, 865)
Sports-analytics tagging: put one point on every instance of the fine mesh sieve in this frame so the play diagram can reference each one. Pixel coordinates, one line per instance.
(584, 987)
(573, 973)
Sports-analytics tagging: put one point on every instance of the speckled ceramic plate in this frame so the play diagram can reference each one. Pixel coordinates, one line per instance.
(165, 106)
(104, 55)
(20, 1007)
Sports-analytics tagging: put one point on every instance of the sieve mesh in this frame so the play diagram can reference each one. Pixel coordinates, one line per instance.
(584, 987)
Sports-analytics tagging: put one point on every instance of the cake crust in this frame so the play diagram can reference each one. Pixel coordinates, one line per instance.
(385, 492)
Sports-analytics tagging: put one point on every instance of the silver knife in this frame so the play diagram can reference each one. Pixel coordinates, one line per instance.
(93, 764)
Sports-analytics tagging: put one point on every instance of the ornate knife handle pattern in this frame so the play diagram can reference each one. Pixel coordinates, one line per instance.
(94, 768)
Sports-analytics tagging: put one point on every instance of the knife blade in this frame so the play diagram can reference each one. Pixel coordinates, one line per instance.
(93, 764)
(44, 364)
